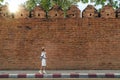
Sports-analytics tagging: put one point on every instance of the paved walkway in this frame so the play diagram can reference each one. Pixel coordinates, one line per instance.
(60, 74)
(57, 71)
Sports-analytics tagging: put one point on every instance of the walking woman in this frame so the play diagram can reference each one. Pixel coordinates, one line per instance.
(43, 61)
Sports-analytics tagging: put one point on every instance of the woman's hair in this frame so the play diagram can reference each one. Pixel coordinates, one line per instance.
(43, 49)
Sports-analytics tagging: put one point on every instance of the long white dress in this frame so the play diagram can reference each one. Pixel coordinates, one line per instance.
(43, 58)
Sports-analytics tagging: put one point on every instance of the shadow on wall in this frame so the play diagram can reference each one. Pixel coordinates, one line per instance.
(56, 12)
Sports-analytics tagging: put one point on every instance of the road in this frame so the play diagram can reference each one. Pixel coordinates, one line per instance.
(60, 79)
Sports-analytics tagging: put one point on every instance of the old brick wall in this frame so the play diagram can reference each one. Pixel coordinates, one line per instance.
(70, 43)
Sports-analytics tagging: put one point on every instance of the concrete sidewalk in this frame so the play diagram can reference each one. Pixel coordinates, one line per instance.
(60, 74)
(57, 71)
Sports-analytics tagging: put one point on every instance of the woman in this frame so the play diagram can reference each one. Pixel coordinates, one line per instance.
(43, 61)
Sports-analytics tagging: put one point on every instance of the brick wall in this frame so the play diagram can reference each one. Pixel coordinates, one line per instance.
(70, 43)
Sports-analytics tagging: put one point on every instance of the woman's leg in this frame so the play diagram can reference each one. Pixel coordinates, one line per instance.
(41, 70)
(44, 69)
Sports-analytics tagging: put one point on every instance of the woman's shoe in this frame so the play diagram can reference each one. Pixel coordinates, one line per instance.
(44, 72)
(40, 72)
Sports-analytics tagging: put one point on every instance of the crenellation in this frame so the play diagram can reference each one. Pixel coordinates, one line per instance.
(89, 12)
(4, 11)
(38, 12)
(107, 12)
(56, 12)
(73, 12)
(22, 13)
(118, 13)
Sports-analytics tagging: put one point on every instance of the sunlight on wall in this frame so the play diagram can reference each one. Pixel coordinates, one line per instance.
(13, 8)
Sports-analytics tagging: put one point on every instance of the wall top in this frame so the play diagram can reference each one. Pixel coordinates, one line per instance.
(73, 12)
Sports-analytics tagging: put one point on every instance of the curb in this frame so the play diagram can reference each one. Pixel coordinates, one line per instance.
(63, 75)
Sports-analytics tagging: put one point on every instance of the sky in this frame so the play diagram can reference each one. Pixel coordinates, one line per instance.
(81, 6)
(14, 4)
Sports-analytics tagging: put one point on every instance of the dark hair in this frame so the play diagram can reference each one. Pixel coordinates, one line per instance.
(43, 49)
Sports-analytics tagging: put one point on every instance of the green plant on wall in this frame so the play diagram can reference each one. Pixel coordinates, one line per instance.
(114, 3)
(1, 1)
(65, 4)
(45, 4)
(30, 4)
(48, 4)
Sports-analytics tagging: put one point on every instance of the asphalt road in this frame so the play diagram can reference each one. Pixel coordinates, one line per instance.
(59, 79)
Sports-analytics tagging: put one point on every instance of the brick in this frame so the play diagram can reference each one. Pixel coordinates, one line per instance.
(68, 46)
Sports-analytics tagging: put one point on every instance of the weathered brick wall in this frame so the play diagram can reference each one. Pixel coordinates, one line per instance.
(70, 43)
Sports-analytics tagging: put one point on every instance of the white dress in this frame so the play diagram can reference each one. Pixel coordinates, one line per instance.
(43, 58)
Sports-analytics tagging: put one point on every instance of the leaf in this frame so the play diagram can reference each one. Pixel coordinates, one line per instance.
(47, 4)
(1, 0)
(84, 1)
(92, 1)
